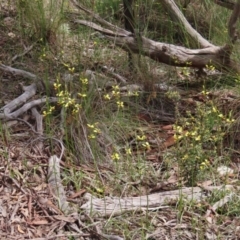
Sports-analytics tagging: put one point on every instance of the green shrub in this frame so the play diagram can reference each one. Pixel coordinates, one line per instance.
(41, 19)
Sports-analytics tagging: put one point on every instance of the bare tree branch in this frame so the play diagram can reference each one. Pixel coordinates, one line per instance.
(102, 30)
(229, 4)
(7, 114)
(18, 72)
(29, 92)
(99, 19)
(169, 53)
(177, 15)
(232, 24)
(55, 183)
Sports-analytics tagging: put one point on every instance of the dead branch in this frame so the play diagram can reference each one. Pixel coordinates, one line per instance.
(229, 4)
(177, 15)
(28, 49)
(218, 56)
(110, 206)
(54, 181)
(18, 72)
(101, 29)
(29, 92)
(119, 78)
(98, 18)
(171, 54)
(11, 115)
(222, 202)
(39, 126)
(232, 24)
(39, 119)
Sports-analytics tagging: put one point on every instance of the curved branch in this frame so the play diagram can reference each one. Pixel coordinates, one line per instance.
(29, 92)
(10, 115)
(177, 15)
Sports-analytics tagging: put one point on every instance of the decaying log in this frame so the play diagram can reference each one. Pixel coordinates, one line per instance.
(176, 55)
(110, 206)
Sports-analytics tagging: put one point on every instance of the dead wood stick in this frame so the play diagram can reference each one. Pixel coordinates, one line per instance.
(28, 49)
(18, 72)
(29, 92)
(8, 115)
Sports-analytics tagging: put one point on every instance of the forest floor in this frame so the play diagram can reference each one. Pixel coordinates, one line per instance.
(163, 130)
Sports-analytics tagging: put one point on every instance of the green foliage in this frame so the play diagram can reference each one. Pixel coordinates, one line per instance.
(108, 8)
(199, 137)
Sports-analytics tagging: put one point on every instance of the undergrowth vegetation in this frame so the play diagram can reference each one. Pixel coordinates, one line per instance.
(116, 130)
(41, 19)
